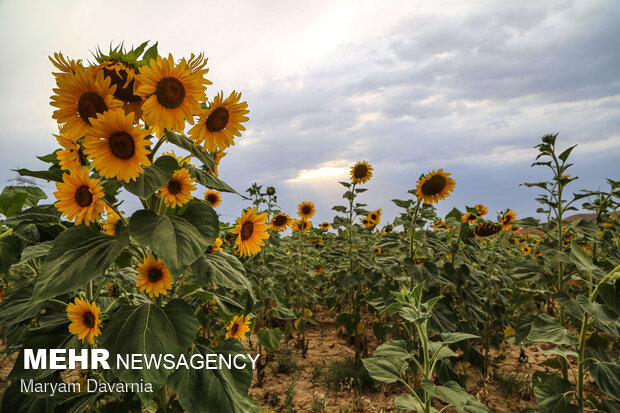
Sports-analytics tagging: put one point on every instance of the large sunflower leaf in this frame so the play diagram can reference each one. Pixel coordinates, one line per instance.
(184, 143)
(547, 329)
(385, 369)
(605, 371)
(226, 390)
(79, 255)
(14, 198)
(454, 394)
(553, 394)
(10, 250)
(211, 181)
(223, 269)
(150, 330)
(177, 240)
(54, 174)
(38, 215)
(16, 306)
(153, 178)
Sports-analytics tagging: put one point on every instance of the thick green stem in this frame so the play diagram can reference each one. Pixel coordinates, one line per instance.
(580, 359)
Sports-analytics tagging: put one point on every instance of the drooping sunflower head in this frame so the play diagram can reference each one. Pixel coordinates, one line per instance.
(469, 218)
(72, 155)
(271, 190)
(112, 224)
(238, 327)
(377, 250)
(482, 210)
(154, 277)
(171, 93)
(178, 191)
(375, 216)
(439, 224)
(66, 66)
(117, 148)
(80, 96)
(302, 225)
(214, 198)
(486, 229)
(251, 230)
(85, 321)
(325, 226)
(79, 197)
(280, 222)
(217, 157)
(306, 210)
(122, 75)
(361, 172)
(508, 218)
(221, 122)
(434, 187)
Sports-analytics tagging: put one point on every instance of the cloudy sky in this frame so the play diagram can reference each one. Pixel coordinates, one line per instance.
(410, 86)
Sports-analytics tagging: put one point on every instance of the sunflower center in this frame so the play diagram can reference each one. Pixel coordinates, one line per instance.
(217, 120)
(89, 319)
(170, 92)
(279, 220)
(434, 185)
(360, 171)
(174, 187)
(234, 329)
(373, 217)
(89, 104)
(306, 209)
(506, 219)
(83, 197)
(122, 145)
(119, 78)
(155, 275)
(212, 198)
(246, 230)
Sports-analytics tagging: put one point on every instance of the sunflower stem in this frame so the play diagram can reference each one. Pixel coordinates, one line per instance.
(156, 147)
(6, 233)
(181, 282)
(116, 211)
(55, 301)
(89, 291)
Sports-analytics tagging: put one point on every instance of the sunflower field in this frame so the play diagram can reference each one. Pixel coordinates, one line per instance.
(465, 313)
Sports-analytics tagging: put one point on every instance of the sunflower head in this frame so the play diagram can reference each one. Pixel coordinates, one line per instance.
(325, 226)
(434, 187)
(112, 224)
(117, 148)
(171, 93)
(178, 191)
(251, 230)
(302, 225)
(486, 229)
(375, 216)
(238, 327)
(221, 122)
(217, 245)
(482, 210)
(469, 218)
(79, 197)
(508, 218)
(271, 191)
(361, 172)
(122, 75)
(306, 210)
(280, 222)
(526, 249)
(377, 250)
(85, 321)
(66, 66)
(214, 198)
(154, 277)
(439, 224)
(72, 155)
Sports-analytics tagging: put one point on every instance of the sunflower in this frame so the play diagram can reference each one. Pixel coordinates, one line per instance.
(154, 277)
(214, 198)
(217, 157)
(482, 210)
(434, 186)
(526, 249)
(85, 321)
(72, 156)
(325, 226)
(367, 222)
(123, 76)
(211, 305)
(280, 222)
(118, 149)
(171, 93)
(486, 229)
(469, 217)
(375, 216)
(301, 225)
(507, 219)
(79, 197)
(238, 327)
(306, 210)
(112, 224)
(220, 123)
(361, 172)
(271, 190)
(217, 245)
(251, 230)
(66, 66)
(377, 250)
(439, 224)
(79, 97)
(178, 191)
(180, 159)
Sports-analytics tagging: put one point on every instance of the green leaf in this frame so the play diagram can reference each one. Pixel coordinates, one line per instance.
(608, 320)
(559, 351)
(581, 259)
(10, 249)
(339, 208)
(177, 240)
(453, 394)
(220, 390)
(151, 330)
(223, 269)
(153, 178)
(547, 329)
(269, 338)
(184, 143)
(39, 214)
(408, 403)
(394, 348)
(606, 373)
(384, 369)
(449, 338)
(564, 155)
(553, 394)
(284, 313)
(608, 294)
(53, 175)
(14, 198)
(402, 203)
(35, 251)
(79, 255)
(16, 306)
(211, 181)
(151, 53)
